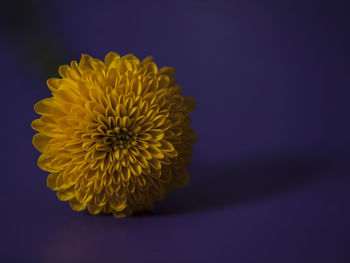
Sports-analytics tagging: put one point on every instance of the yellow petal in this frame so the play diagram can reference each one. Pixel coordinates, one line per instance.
(163, 81)
(155, 164)
(132, 58)
(65, 195)
(156, 134)
(93, 208)
(155, 152)
(51, 181)
(189, 104)
(117, 204)
(141, 181)
(76, 205)
(111, 56)
(169, 71)
(75, 68)
(119, 215)
(136, 169)
(84, 63)
(151, 67)
(145, 154)
(147, 59)
(65, 95)
(63, 70)
(40, 141)
(159, 120)
(44, 107)
(37, 125)
(125, 173)
(53, 83)
(44, 163)
(167, 146)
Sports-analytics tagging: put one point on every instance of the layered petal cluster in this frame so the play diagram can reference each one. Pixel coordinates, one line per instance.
(115, 136)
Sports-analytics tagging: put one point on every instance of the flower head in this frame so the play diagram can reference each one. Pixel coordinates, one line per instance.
(115, 136)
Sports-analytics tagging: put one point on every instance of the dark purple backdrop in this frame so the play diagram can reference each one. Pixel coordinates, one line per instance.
(270, 174)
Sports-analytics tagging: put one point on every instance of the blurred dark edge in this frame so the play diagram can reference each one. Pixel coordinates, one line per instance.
(214, 186)
(24, 24)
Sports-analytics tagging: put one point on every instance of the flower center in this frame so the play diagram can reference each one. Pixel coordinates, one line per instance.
(120, 140)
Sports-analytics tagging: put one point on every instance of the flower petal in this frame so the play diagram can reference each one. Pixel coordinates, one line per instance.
(168, 71)
(40, 141)
(111, 56)
(65, 195)
(76, 205)
(44, 107)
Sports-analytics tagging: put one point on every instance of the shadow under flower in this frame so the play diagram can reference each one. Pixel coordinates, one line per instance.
(214, 186)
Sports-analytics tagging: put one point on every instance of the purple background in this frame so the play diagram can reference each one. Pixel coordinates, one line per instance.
(270, 174)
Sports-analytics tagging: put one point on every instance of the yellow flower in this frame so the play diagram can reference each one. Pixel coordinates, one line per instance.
(115, 136)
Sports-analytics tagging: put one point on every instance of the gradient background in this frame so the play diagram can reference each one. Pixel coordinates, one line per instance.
(270, 174)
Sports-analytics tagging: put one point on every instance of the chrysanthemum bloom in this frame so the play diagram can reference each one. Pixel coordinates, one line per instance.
(115, 136)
